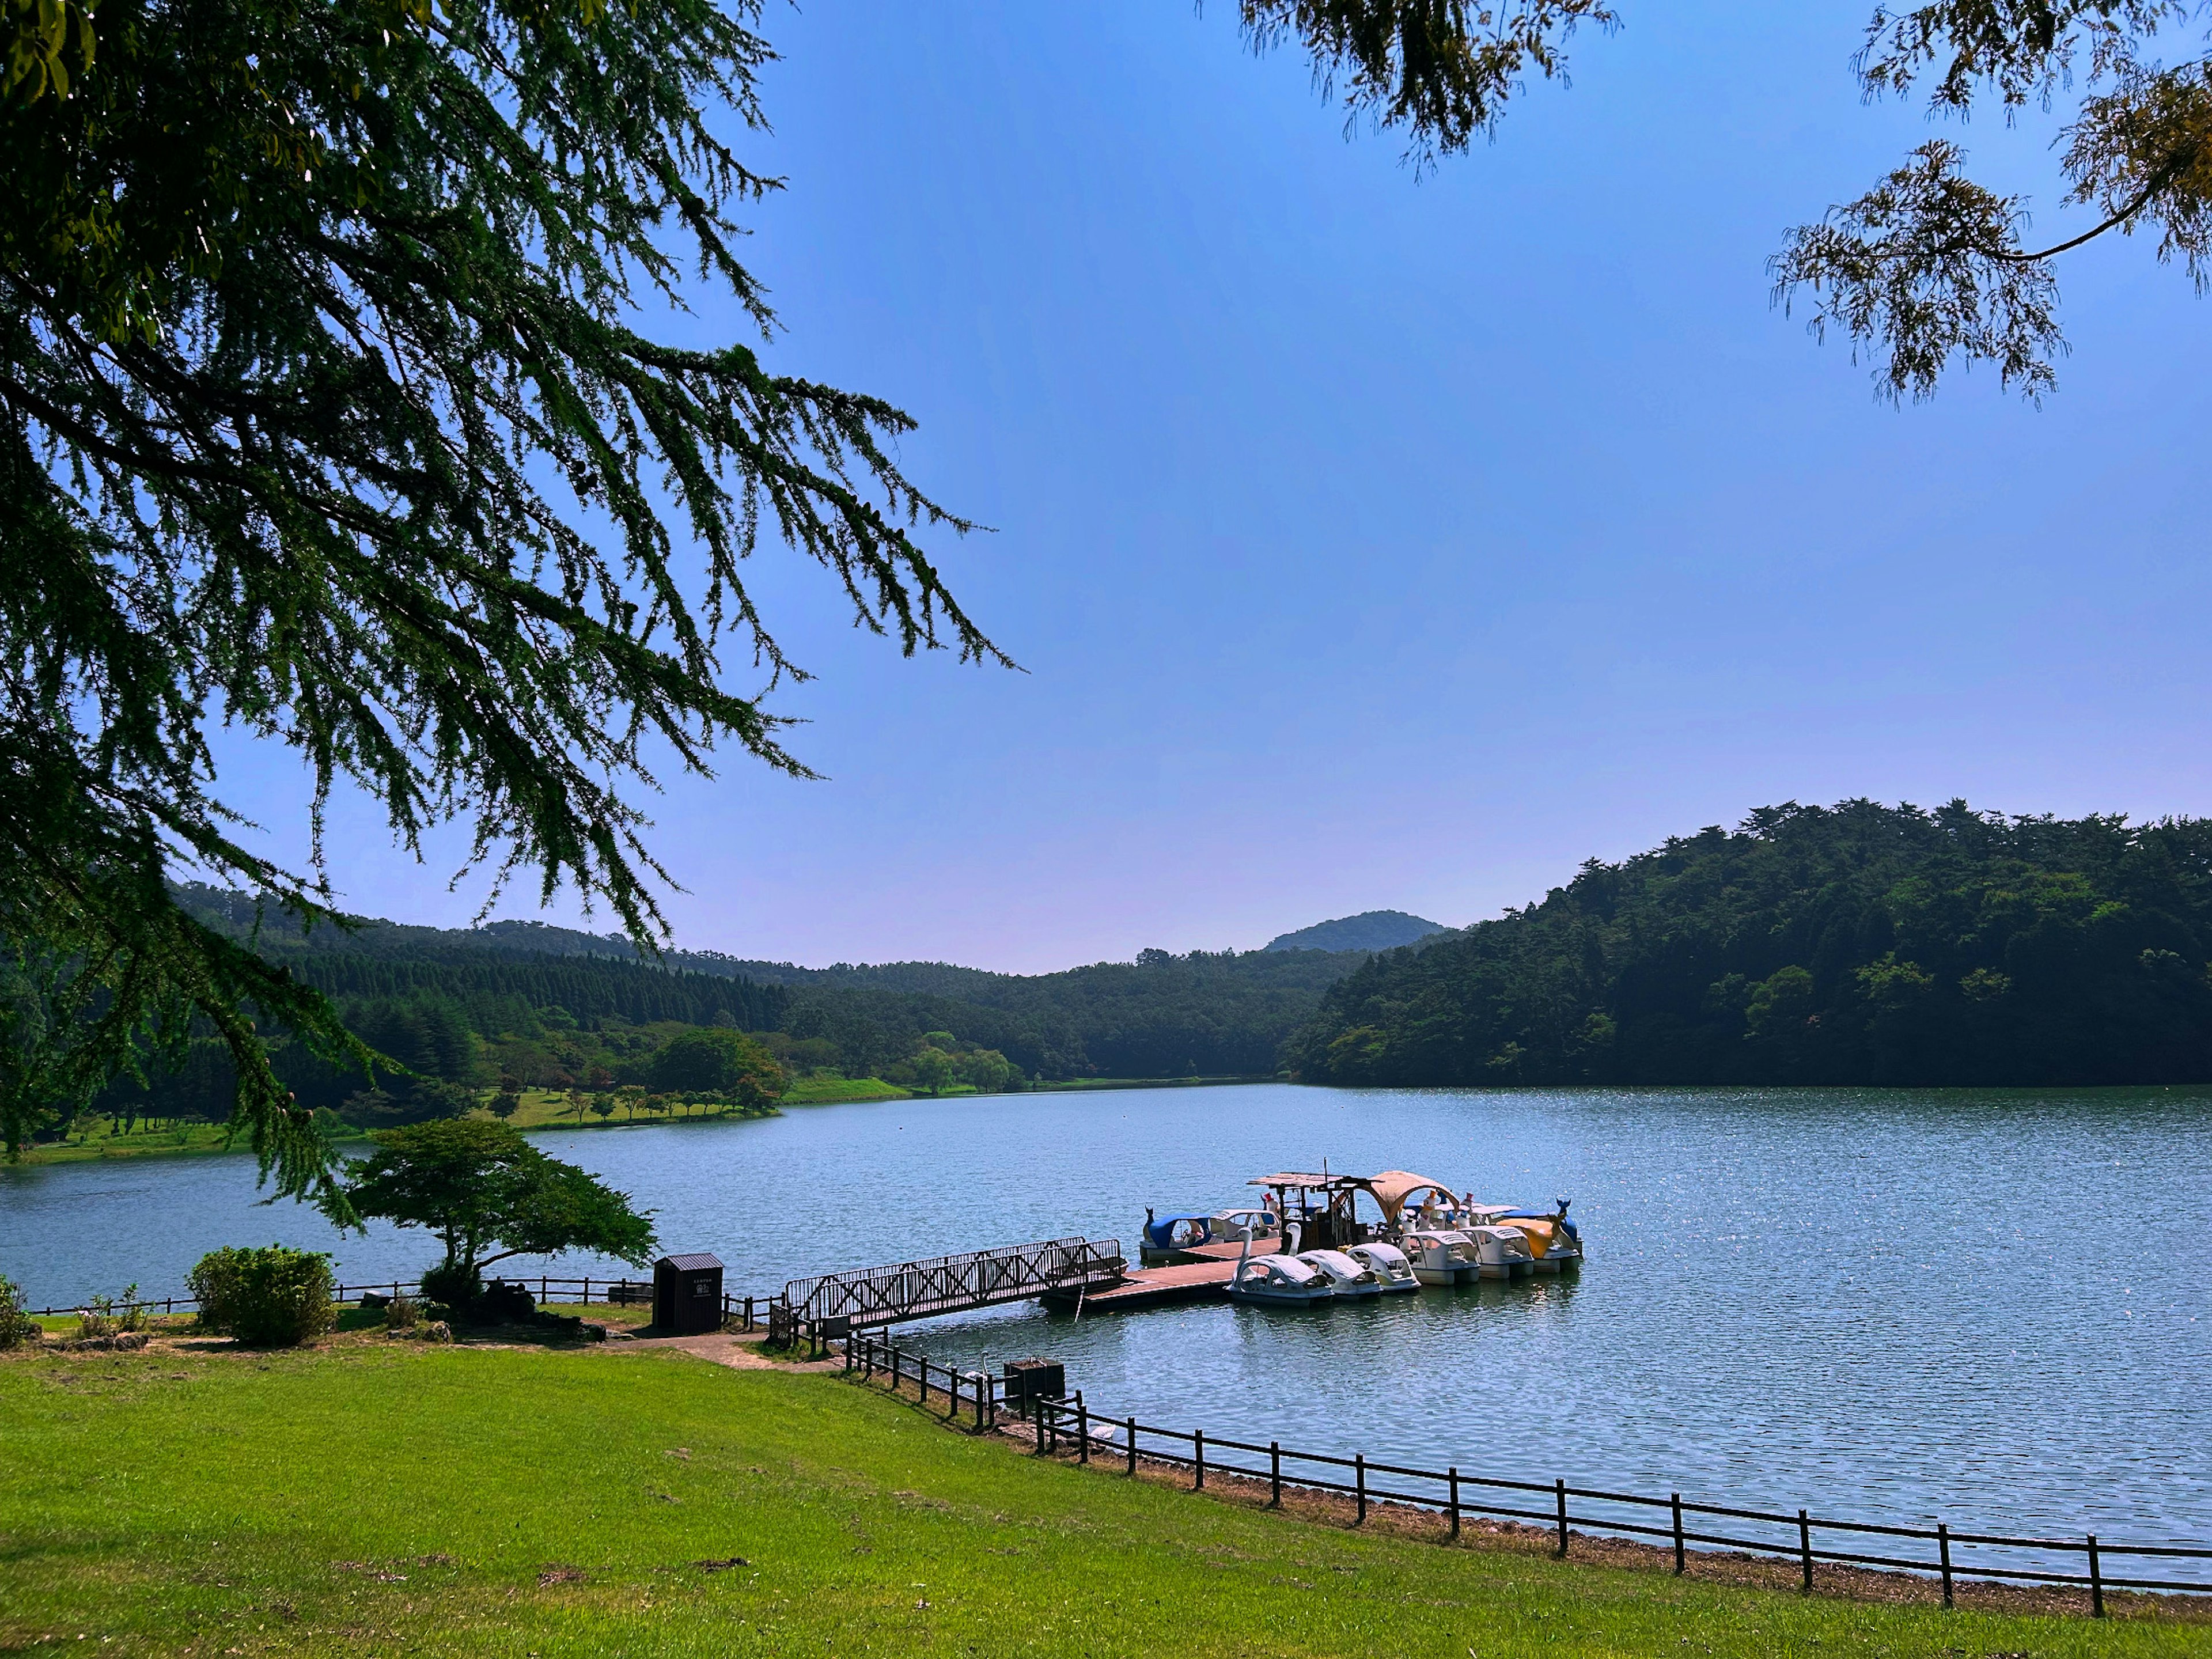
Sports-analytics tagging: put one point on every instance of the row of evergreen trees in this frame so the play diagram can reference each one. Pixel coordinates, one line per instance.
(1860, 944)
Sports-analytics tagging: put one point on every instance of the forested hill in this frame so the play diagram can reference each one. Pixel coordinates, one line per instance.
(524, 991)
(1856, 944)
(1371, 930)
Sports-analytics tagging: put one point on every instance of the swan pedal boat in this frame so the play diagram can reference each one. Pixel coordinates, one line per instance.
(1346, 1276)
(1282, 1281)
(1440, 1256)
(1387, 1263)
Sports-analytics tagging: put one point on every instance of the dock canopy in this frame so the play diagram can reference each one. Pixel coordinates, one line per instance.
(1395, 1189)
(1314, 1184)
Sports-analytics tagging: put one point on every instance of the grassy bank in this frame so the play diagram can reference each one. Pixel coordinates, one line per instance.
(550, 1108)
(376, 1498)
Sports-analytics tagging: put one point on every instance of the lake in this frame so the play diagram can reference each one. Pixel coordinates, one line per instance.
(1990, 1307)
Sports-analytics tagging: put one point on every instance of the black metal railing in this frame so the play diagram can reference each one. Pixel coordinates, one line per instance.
(1455, 1494)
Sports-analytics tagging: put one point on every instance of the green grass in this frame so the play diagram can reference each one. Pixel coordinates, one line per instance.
(97, 1139)
(826, 1090)
(375, 1498)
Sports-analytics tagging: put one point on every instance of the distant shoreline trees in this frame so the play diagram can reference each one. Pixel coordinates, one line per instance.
(1860, 944)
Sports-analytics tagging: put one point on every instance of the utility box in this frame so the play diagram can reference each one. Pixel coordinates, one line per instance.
(1034, 1379)
(687, 1294)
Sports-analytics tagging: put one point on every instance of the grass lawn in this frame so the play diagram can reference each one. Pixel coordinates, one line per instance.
(95, 1139)
(825, 1090)
(377, 1498)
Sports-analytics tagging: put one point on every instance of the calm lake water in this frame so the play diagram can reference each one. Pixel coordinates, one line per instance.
(1991, 1308)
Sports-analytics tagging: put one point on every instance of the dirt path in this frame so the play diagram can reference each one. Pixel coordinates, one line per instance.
(723, 1348)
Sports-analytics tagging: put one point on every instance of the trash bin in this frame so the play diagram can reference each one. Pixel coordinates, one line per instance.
(1034, 1379)
(687, 1295)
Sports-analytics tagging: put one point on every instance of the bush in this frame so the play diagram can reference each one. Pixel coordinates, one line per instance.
(277, 1297)
(16, 1327)
(452, 1284)
(401, 1313)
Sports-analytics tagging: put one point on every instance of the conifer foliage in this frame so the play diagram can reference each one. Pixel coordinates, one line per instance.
(330, 409)
(1857, 943)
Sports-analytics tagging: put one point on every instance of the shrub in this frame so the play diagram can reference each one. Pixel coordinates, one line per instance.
(401, 1313)
(16, 1327)
(453, 1284)
(111, 1315)
(276, 1297)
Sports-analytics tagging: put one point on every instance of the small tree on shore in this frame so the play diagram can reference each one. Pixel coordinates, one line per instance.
(488, 1194)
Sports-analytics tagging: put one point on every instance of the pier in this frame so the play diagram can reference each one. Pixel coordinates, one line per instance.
(832, 1304)
(1080, 1274)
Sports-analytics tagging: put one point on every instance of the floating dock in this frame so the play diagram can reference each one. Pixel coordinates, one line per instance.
(1149, 1287)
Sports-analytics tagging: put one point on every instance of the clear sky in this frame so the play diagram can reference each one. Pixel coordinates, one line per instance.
(1376, 542)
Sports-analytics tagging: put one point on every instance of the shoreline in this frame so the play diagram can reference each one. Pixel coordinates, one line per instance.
(203, 1140)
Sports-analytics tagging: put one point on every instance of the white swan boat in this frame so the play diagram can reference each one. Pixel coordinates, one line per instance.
(1389, 1263)
(1552, 1242)
(1347, 1277)
(1282, 1281)
(1441, 1256)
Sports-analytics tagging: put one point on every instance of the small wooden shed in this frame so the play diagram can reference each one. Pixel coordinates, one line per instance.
(687, 1294)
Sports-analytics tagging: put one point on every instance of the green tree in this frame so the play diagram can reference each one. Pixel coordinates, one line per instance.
(316, 318)
(506, 1103)
(712, 1060)
(1929, 269)
(984, 1070)
(932, 1068)
(488, 1194)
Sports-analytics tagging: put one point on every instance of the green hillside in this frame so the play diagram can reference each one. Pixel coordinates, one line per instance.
(1860, 944)
(522, 1007)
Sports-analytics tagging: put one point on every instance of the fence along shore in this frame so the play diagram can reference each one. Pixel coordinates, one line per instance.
(1455, 1495)
(1052, 1419)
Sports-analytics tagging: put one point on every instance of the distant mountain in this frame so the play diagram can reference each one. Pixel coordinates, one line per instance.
(1371, 930)
(1160, 1016)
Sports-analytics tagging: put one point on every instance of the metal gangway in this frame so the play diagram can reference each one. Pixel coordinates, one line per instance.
(831, 1305)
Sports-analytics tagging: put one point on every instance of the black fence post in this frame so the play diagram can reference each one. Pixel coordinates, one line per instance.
(1561, 1487)
(1677, 1503)
(1943, 1558)
(2096, 1582)
(1082, 1430)
(1805, 1549)
(1359, 1476)
(1132, 1448)
(1452, 1475)
(1198, 1461)
(1274, 1474)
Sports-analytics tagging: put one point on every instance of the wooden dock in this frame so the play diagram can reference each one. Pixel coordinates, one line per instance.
(1150, 1287)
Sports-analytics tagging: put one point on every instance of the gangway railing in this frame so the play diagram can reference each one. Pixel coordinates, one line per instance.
(829, 1305)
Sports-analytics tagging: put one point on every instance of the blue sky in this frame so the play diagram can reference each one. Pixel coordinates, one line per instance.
(1371, 541)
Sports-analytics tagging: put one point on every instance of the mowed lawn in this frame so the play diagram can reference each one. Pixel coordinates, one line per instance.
(373, 1498)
